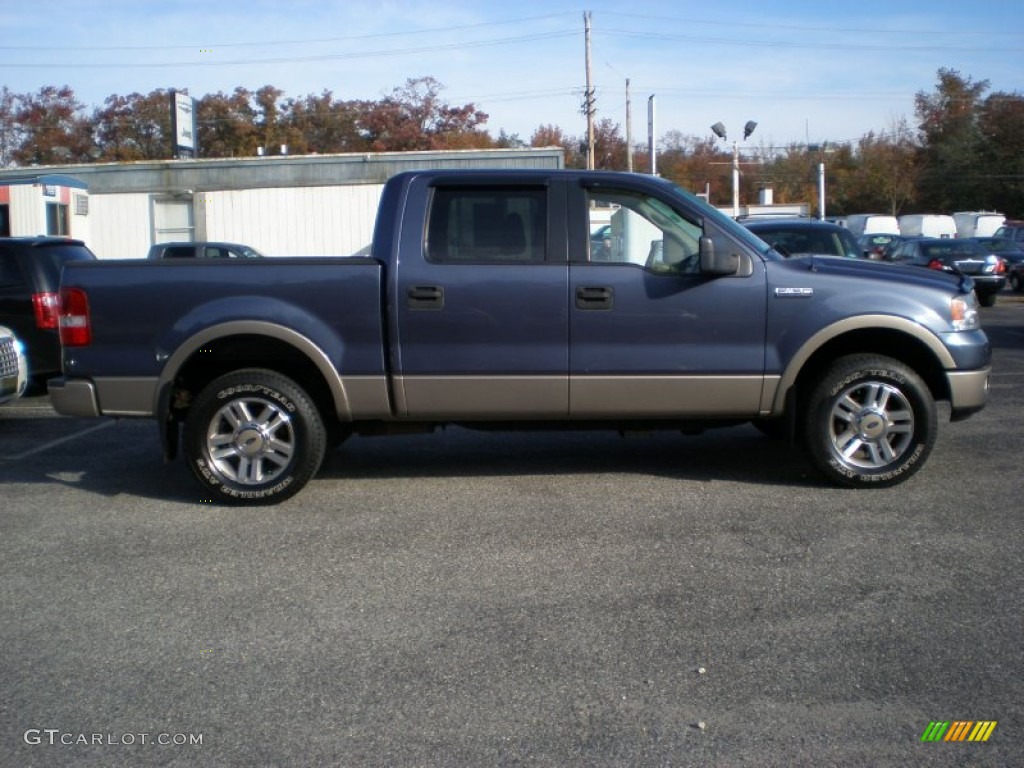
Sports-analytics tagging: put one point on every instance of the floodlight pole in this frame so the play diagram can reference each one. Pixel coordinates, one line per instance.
(821, 190)
(735, 180)
(719, 130)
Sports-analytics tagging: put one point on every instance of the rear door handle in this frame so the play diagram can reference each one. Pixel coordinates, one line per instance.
(594, 297)
(425, 297)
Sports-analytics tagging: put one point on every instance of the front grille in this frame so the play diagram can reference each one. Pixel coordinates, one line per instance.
(8, 358)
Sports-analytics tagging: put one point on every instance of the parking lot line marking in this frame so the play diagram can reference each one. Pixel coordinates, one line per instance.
(58, 441)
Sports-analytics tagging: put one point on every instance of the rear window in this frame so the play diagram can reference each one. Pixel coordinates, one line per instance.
(951, 248)
(487, 225)
(48, 260)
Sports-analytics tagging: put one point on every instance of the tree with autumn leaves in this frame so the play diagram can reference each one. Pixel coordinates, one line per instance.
(967, 151)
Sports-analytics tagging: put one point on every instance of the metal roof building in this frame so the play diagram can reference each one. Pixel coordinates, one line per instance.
(299, 205)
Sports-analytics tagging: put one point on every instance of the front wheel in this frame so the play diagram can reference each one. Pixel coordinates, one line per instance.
(253, 437)
(870, 420)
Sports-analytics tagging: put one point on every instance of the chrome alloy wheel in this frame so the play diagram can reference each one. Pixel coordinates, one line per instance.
(251, 441)
(871, 425)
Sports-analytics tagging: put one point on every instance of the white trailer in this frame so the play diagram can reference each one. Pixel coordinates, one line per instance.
(927, 225)
(978, 223)
(872, 224)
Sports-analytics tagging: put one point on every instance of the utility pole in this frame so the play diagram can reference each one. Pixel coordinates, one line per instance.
(588, 99)
(629, 130)
(652, 145)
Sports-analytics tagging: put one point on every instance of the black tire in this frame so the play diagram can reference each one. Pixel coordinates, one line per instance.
(870, 420)
(253, 437)
(987, 299)
(1016, 284)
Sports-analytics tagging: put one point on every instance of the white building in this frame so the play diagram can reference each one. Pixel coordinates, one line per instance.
(301, 205)
(43, 204)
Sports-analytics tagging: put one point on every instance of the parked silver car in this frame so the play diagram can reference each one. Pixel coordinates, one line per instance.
(13, 366)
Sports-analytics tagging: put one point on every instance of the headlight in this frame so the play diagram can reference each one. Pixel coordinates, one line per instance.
(963, 311)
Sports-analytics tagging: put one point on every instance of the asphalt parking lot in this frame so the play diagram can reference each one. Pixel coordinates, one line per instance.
(472, 599)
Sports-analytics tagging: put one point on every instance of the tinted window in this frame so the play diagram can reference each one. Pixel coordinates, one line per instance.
(10, 272)
(487, 225)
(49, 259)
(952, 248)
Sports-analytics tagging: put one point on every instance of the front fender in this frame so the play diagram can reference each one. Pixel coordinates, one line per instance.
(805, 351)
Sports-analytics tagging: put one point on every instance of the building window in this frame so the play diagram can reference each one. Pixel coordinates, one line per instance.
(57, 219)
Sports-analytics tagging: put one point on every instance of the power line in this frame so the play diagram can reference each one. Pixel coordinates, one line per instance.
(276, 43)
(803, 45)
(301, 59)
(733, 23)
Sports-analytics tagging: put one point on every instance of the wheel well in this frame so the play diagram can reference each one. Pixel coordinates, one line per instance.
(879, 341)
(232, 353)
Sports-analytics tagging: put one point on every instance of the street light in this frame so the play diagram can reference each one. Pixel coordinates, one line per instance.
(719, 131)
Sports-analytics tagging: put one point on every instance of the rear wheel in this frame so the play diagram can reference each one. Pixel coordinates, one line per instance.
(1016, 283)
(869, 421)
(254, 437)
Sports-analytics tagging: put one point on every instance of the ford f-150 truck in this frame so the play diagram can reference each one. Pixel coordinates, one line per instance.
(486, 303)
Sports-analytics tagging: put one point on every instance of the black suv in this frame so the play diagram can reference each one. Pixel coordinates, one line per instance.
(29, 300)
(1011, 230)
(800, 237)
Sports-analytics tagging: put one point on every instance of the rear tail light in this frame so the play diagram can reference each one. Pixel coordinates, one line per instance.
(75, 330)
(1000, 267)
(47, 309)
(936, 264)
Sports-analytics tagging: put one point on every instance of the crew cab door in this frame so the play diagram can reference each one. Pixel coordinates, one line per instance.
(479, 300)
(651, 335)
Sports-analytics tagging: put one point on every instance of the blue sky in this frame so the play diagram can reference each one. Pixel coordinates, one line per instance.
(805, 71)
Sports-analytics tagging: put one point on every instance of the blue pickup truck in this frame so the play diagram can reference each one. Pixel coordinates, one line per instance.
(485, 302)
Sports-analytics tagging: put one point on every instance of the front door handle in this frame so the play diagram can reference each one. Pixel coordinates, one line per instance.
(595, 297)
(425, 297)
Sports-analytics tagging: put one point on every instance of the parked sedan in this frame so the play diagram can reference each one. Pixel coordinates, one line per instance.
(13, 367)
(802, 237)
(964, 257)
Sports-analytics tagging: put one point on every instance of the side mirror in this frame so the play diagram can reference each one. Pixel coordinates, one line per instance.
(717, 264)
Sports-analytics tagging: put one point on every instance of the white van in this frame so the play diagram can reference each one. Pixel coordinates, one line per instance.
(927, 225)
(978, 223)
(872, 224)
